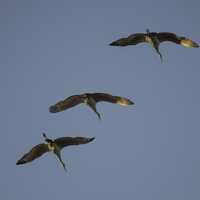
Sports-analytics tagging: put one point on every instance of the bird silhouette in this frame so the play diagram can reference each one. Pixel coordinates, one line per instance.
(54, 146)
(89, 99)
(154, 39)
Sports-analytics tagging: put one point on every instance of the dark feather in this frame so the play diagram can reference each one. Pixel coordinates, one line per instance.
(111, 99)
(130, 40)
(65, 104)
(67, 141)
(171, 37)
(34, 153)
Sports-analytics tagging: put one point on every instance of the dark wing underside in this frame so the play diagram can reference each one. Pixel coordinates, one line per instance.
(111, 99)
(34, 153)
(136, 38)
(130, 40)
(171, 37)
(67, 141)
(65, 104)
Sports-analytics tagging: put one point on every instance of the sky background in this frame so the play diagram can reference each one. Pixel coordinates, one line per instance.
(54, 49)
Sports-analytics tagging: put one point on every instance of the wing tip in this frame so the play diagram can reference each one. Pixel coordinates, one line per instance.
(53, 109)
(121, 42)
(20, 162)
(196, 45)
(91, 139)
(113, 43)
(125, 102)
(131, 102)
(189, 43)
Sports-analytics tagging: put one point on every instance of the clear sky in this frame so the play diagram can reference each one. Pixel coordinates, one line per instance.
(53, 49)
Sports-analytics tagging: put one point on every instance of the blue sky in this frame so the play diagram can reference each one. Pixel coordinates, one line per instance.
(53, 49)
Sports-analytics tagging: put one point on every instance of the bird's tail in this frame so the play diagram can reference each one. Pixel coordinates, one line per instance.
(63, 164)
(92, 105)
(157, 50)
(161, 58)
(95, 110)
(61, 161)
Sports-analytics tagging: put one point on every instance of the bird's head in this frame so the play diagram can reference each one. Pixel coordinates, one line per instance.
(148, 31)
(46, 138)
(85, 95)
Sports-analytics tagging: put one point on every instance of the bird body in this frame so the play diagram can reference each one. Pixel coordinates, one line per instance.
(90, 99)
(155, 39)
(152, 39)
(54, 146)
(51, 147)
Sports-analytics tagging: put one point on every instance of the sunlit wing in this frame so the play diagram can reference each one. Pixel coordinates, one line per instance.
(34, 153)
(65, 104)
(111, 99)
(130, 40)
(67, 141)
(171, 37)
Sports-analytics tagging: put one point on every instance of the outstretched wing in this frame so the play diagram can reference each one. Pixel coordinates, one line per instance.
(171, 37)
(130, 40)
(67, 141)
(65, 104)
(111, 99)
(34, 153)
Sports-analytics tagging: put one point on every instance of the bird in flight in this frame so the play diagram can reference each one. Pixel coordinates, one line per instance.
(89, 99)
(154, 39)
(54, 146)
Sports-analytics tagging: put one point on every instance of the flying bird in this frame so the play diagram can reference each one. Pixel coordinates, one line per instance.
(54, 146)
(154, 39)
(90, 99)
